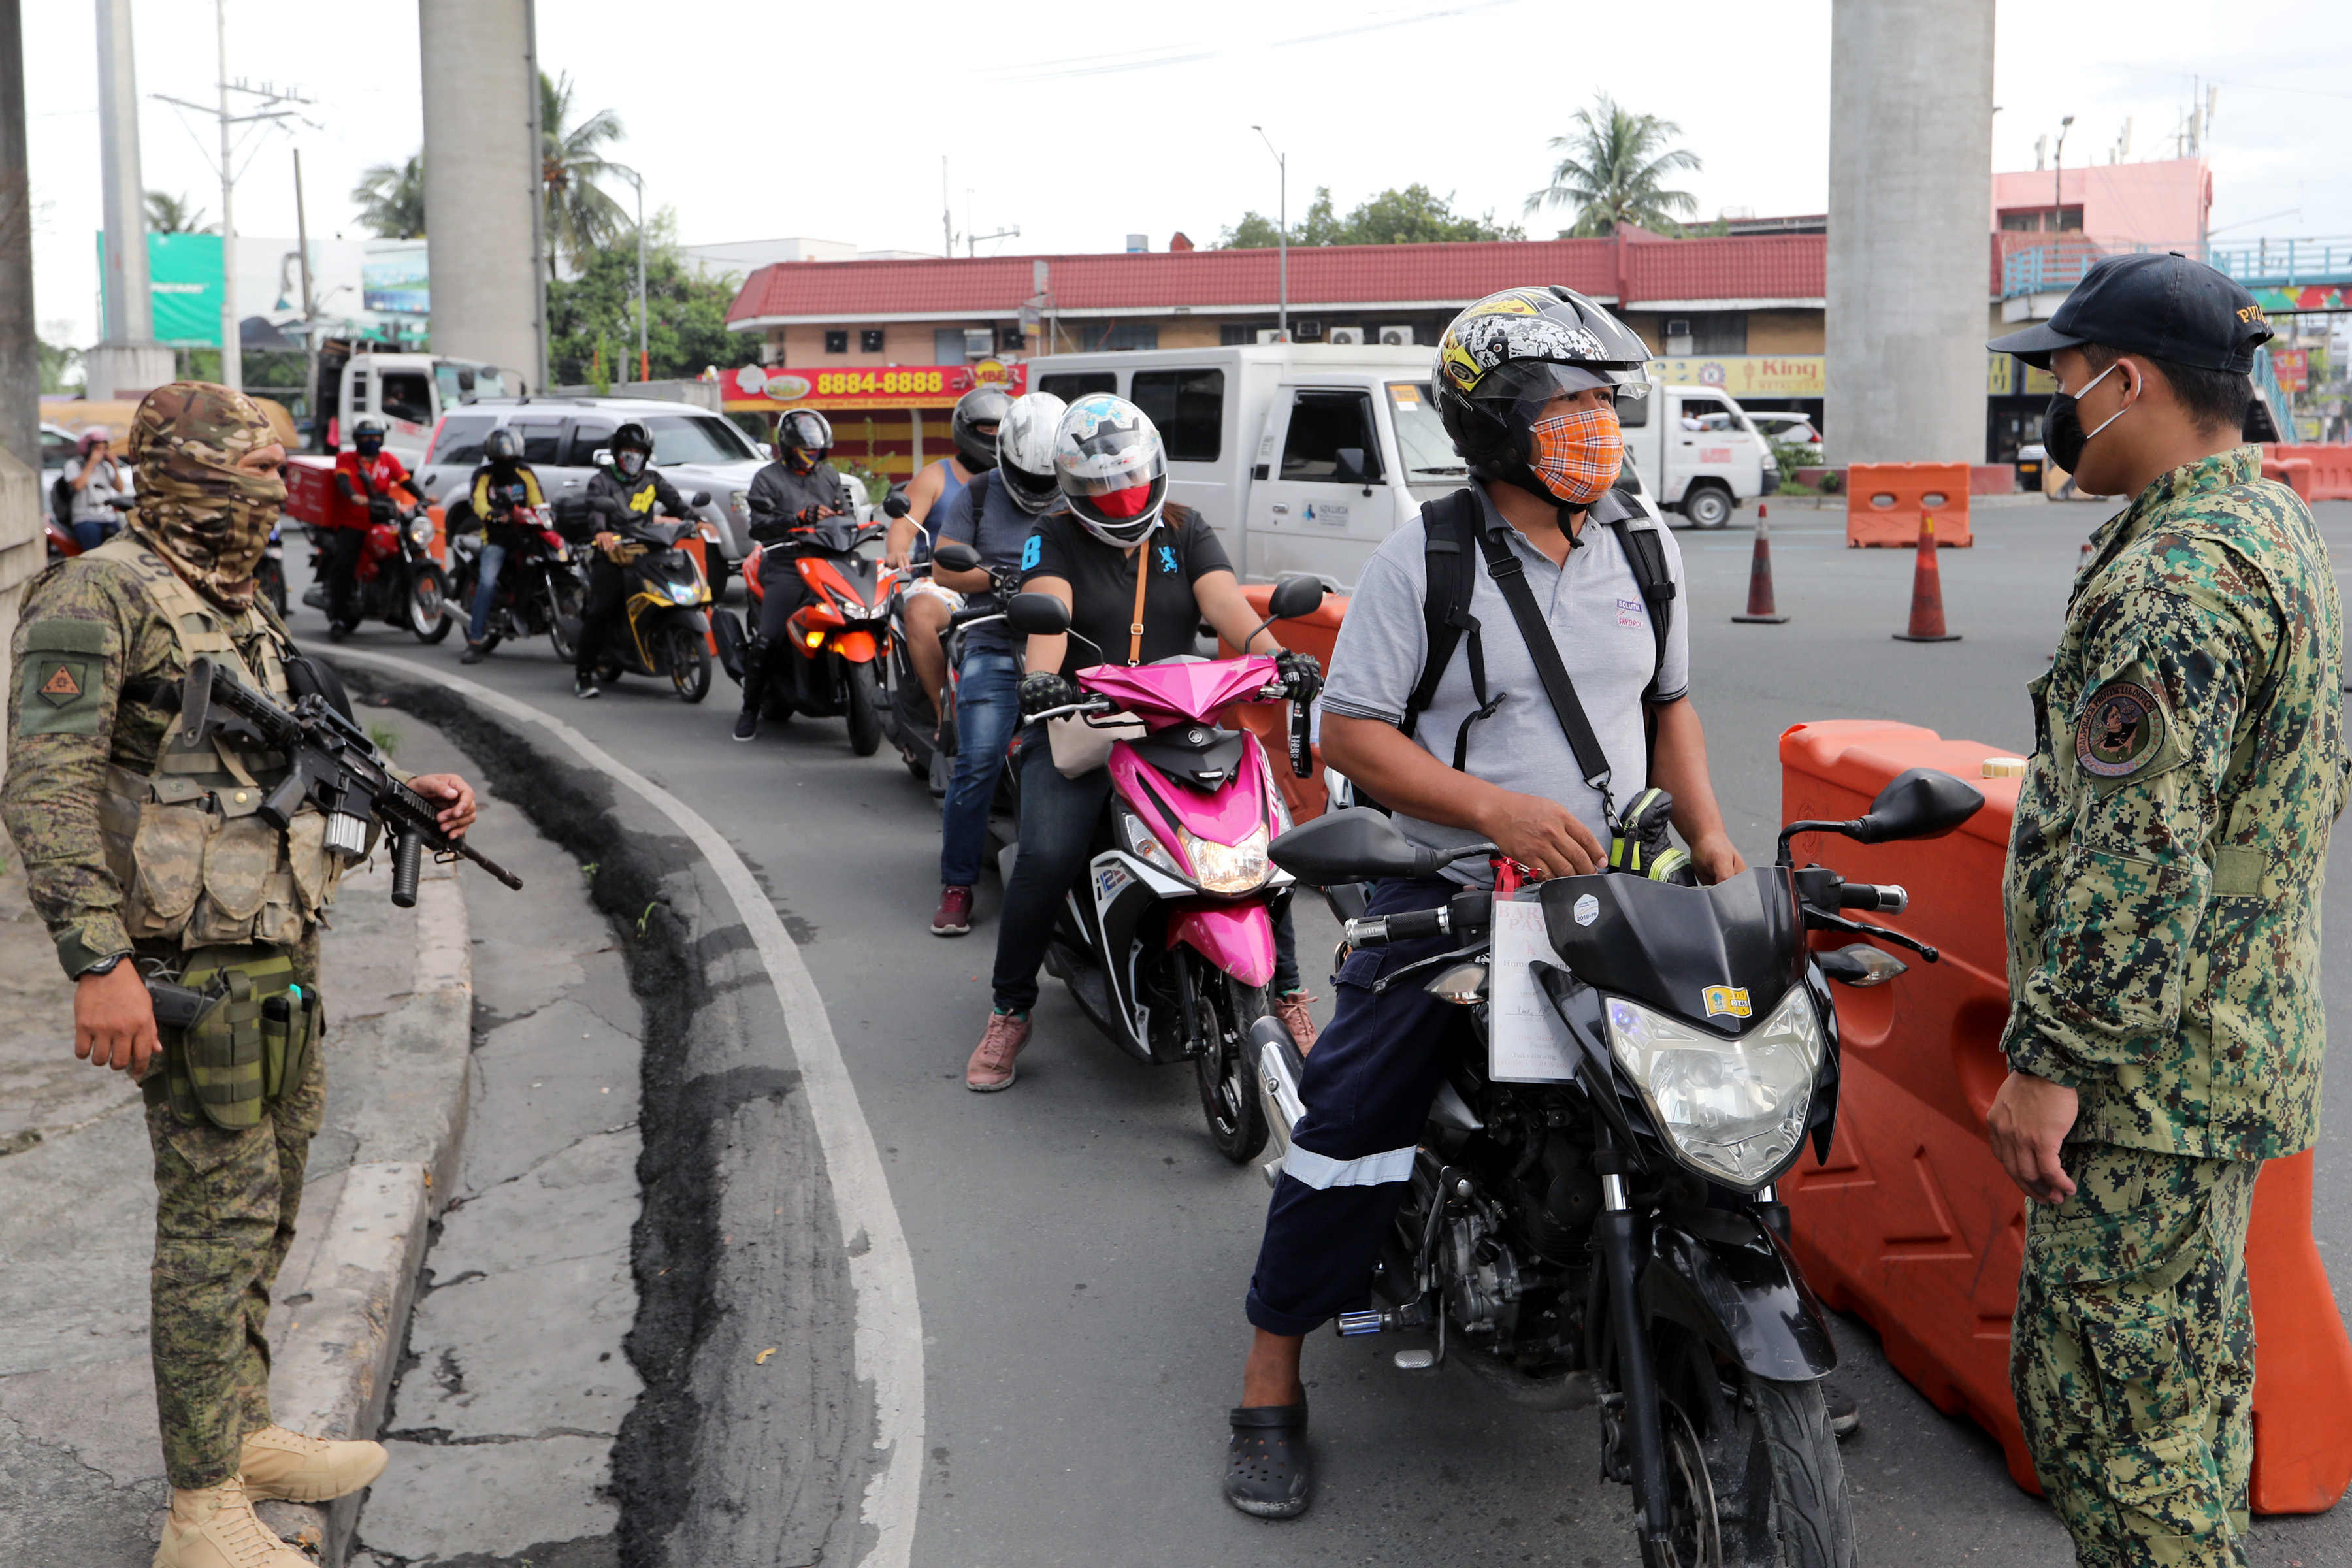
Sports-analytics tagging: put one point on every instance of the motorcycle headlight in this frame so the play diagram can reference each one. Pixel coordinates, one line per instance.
(1227, 867)
(684, 593)
(1733, 1109)
(420, 531)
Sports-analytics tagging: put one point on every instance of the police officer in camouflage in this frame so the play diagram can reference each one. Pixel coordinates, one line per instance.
(2165, 1033)
(145, 857)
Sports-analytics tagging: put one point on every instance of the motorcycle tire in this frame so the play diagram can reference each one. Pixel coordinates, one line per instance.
(563, 635)
(1226, 1080)
(864, 710)
(689, 663)
(428, 608)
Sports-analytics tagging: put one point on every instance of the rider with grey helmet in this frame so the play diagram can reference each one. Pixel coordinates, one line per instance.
(1118, 536)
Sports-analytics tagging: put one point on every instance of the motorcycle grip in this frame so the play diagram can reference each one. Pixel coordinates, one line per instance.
(1379, 931)
(1885, 897)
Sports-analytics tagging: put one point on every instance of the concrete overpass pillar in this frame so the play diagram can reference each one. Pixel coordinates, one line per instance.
(1910, 189)
(130, 363)
(481, 181)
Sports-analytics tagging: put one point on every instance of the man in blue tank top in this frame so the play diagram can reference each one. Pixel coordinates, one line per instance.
(978, 415)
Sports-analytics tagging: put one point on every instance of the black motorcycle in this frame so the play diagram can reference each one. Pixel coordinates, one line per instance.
(666, 625)
(1609, 1234)
(910, 716)
(541, 589)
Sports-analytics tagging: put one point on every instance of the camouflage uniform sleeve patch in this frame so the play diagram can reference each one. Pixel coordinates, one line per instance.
(62, 677)
(2126, 732)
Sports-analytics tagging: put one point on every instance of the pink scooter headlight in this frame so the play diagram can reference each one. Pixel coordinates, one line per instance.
(1227, 867)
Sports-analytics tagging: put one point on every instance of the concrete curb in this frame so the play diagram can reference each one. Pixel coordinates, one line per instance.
(778, 1332)
(347, 1294)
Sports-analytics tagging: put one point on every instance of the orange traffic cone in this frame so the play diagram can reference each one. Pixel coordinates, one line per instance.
(1927, 591)
(1760, 609)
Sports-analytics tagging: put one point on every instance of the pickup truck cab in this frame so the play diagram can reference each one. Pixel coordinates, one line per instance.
(1302, 456)
(1704, 452)
(408, 392)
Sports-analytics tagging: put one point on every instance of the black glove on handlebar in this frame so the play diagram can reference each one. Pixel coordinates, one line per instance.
(380, 509)
(1302, 673)
(1041, 689)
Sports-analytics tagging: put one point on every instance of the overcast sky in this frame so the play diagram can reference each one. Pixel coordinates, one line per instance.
(1074, 122)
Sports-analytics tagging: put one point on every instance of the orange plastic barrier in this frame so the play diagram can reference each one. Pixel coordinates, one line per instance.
(693, 545)
(2295, 473)
(1884, 501)
(1270, 722)
(1911, 1224)
(2331, 467)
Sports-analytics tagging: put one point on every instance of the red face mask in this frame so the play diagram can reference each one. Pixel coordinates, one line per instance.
(1578, 456)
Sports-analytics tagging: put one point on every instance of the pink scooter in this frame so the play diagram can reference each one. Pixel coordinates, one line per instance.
(1168, 945)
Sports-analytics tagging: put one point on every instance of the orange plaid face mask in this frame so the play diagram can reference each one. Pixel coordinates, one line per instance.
(1579, 455)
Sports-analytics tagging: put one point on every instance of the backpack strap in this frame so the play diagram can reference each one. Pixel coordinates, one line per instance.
(1511, 581)
(1447, 524)
(1647, 557)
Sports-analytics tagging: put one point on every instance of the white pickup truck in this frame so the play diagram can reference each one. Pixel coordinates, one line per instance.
(408, 392)
(1305, 456)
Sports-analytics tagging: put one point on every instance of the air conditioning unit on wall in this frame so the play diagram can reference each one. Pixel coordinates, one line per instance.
(1346, 335)
(1394, 337)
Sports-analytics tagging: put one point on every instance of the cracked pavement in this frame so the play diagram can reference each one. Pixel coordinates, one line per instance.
(515, 1381)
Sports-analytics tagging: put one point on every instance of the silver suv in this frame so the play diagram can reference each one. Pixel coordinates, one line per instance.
(694, 448)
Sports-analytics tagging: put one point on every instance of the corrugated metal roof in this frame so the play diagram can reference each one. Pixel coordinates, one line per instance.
(1739, 267)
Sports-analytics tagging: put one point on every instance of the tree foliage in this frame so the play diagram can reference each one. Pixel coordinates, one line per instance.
(390, 198)
(580, 215)
(1614, 171)
(1413, 215)
(173, 214)
(593, 319)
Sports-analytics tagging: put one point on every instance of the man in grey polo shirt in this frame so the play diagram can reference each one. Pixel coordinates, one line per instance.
(1527, 381)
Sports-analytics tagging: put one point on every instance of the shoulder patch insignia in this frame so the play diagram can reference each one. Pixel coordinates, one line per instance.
(2121, 731)
(62, 685)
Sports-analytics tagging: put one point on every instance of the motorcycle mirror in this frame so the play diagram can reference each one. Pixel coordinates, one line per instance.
(1295, 596)
(1344, 847)
(956, 556)
(1922, 802)
(1037, 615)
(701, 498)
(601, 456)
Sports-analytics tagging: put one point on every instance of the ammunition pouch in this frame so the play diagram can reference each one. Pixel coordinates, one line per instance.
(250, 1048)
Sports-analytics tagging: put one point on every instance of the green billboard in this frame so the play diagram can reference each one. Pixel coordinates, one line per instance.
(184, 273)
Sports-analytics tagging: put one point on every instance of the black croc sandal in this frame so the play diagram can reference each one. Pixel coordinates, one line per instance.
(1265, 1464)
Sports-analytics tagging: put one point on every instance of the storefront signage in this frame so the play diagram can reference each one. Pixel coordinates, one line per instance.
(2006, 376)
(758, 389)
(2293, 368)
(1744, 375)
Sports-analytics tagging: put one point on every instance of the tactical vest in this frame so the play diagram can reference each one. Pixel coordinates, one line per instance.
(193, 861)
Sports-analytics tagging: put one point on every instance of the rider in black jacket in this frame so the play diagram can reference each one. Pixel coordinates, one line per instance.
(621, 501)
(798, 490)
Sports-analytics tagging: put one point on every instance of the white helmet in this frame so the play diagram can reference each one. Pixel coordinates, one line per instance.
(1024, 450)
(1112, 468)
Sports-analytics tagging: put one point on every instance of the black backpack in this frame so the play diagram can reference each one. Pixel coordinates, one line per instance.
(61, 504)
(1450, 526)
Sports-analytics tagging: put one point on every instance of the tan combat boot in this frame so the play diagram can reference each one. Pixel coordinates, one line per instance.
(294, 1468)
(214, 1526)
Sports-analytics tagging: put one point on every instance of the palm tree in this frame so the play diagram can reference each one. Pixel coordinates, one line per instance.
(1615, 169)
(173, 214)
(581, 216)
(391, 197)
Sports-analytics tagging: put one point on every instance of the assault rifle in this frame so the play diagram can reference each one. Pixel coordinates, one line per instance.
(331, 763)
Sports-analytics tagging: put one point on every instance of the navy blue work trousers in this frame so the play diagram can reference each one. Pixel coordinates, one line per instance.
(1367, 1089)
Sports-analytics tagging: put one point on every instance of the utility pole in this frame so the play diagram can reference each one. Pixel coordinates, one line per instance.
(20, 348)
(1281, 238)
(2058, 178)
(947, 212)
(644, 355)
(310, 308)
(271, 108)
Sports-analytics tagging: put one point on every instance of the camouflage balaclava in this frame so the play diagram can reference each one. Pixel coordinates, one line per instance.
(196, 507)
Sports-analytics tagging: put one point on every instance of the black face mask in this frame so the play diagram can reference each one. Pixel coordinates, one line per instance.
(2062, 436)
(368, 446)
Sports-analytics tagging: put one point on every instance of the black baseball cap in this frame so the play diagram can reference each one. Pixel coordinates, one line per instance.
(2167, 307)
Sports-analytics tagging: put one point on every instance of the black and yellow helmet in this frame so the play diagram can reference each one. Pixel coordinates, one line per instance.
(1510, 353)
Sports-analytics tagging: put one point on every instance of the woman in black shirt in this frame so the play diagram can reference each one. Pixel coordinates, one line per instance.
(1114, 473)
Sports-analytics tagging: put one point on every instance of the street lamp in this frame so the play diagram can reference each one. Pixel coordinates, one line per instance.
(2058, 179)
(645, 353)
(1281, 237)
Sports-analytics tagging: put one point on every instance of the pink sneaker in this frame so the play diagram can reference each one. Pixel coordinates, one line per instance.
(991, 1068)
(1291, 1007)
(954, 915)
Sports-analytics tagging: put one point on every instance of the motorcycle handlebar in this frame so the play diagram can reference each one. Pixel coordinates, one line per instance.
(1379, 931)
(1886, 899)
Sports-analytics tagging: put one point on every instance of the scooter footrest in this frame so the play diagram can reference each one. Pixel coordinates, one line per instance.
(1351, 1324)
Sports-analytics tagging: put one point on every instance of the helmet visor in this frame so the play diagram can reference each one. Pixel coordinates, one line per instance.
(1543, 380)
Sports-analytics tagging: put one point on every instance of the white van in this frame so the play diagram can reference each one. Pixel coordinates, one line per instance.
(1706, 452)
(408, 392)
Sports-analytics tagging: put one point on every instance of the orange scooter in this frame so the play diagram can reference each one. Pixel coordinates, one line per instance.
(838, 638)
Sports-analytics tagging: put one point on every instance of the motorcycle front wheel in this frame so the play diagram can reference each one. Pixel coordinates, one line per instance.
(571, 601)
(689, 663)
(1228, 1084)
(428, 611)
(864, 710)
(1762, 1453)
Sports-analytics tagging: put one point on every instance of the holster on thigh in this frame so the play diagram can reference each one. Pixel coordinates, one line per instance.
(250, 1045)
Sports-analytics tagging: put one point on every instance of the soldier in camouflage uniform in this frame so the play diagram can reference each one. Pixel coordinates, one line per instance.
(144, 858)
(2165, 1035)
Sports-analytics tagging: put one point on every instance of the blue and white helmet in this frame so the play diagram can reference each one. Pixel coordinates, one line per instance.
(1112, 468)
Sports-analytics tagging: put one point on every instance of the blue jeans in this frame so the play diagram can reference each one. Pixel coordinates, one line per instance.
(1058, 816)
(987, 712)
(493, 561)
(90, 532)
